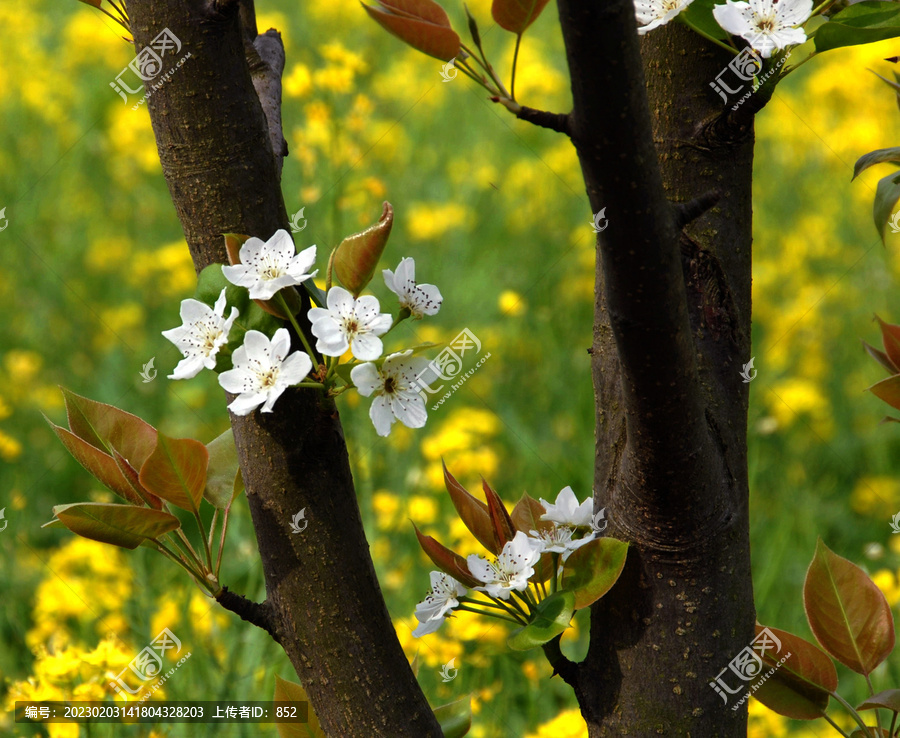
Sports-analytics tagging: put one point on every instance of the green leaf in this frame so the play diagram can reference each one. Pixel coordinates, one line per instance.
(551, 617)
(104, 426)
(886, 195)
(888, 699)
(861, 23)
(176, 471)
(592, 570)
(888, 390)
(516, 15)
(699, 16)
(799, 688)
(286, 691)
(121, 525)
(847, 612)
(455, 718)
(314, 292)
(222, 471)
(879, 156)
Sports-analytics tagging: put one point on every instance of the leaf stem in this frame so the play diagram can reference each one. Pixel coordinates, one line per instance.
(517, 620)
(205, 537)
(835, 726)
(512, 82)
(853, 713)
(163, 549)
(222, 541)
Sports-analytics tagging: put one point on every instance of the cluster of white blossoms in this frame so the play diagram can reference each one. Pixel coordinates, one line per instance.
(767, 25)
(514, 566)
(263, 368)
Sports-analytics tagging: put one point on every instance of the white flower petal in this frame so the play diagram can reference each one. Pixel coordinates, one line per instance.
(366, 347)
(366, 378)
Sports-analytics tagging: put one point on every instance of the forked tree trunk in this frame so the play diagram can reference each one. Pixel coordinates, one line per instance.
(324, 604)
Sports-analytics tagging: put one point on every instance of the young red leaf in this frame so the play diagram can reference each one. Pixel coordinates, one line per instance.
(120, 525)
(881, 358)
(357, 256)
(101, 465)
(888, 390)
(446, 560)
(890, 336)
(176, 471)
(871, 731)
(104, 426)
(474, 513)
(526, 515)
(503, 524)
(134, 480)
(889, 699)
(414, 24)
(516, 15)
(799, 687)
(848, 614)
(592, 570)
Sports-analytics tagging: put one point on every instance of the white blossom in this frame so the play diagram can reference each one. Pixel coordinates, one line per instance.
(511, 570)
(269, 266)
(419, 299)
(349, 323)
(655, 13)
(558, 539)
(767, 25)
(567, 511)
(396, 390)
(203, 332)
(263, 371)
(437, 603)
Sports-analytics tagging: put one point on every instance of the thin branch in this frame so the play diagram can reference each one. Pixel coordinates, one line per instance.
(685, 212)
(266, 58)
(253, 612)
(565, 667)
(558, 122)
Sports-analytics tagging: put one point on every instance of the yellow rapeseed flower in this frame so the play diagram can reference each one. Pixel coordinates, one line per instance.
(511, 303)
(876, 495)
(433, 220)
(387, 508)
(298, 82)
(568, 724)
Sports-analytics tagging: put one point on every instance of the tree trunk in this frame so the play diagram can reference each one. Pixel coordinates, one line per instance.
(671, 333)
(324, 604)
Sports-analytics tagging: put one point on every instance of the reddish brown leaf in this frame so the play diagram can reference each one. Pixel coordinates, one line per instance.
(446, 560)
(890, 336)
(504, 529)
(176, 471)
(847, 612)
(517, 15)
(799, 687)
(435, 39)
(474, 513)
(357, 256)
(426, 10)
(133, 478)
(881, 358)
(526, 515)
(120, 525)
(889, 699)
(98, 463)
(104, 426)
(888, 390)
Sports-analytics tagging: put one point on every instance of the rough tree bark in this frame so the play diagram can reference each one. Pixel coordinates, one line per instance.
(323, 604)
(672, 328)
(671, 331)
